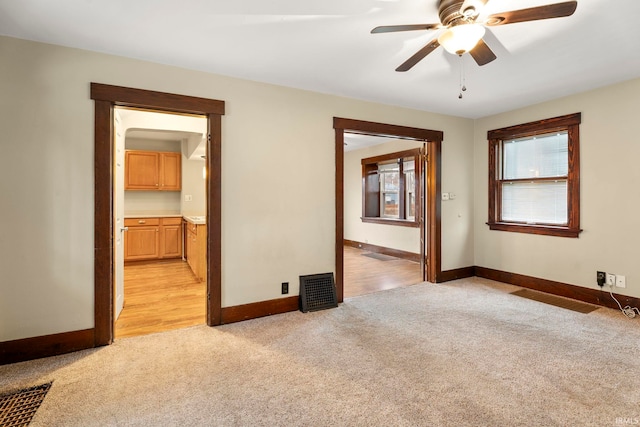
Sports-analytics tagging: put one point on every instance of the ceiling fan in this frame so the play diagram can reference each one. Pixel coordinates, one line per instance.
(463, 32)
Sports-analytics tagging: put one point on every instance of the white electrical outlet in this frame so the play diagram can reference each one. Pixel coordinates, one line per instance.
(445, 196)
(621, 281)
(611, 279)
(452, 196)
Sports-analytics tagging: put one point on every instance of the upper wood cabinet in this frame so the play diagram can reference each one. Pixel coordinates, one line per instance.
(152, 170)
(170, 171)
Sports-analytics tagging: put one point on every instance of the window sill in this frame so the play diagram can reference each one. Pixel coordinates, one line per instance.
(547, 230)
(390, 221)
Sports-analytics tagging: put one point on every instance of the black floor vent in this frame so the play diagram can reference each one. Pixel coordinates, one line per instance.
(317, 292)
(18, 408)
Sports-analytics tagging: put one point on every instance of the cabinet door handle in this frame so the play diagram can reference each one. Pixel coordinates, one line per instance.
(142, 221)
(124, 228)
(157, 230)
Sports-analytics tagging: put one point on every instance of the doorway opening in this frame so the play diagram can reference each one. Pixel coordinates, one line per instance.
(429, 221)
(383, 205)
(106, 98)
(159, 221)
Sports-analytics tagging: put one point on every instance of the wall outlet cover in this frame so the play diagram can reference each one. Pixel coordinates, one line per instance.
(611, 279)
(601, 278)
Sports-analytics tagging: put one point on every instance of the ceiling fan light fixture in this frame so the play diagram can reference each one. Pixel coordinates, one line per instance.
(461, 38)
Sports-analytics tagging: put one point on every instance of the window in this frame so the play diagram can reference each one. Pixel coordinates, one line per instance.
(410, 189)
(389, 177)
(534, 181)
(389, 188)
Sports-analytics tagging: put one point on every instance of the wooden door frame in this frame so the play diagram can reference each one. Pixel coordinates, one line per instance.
(433, 138)
(106, 97)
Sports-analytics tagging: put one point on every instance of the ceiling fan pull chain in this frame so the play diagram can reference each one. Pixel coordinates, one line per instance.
(463, 86)
(464, 77)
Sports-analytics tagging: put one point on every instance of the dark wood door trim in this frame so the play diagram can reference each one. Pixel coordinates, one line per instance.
(140, 98)
(106, 97)
(434, 142)
(214, 229)
(339, 191)
(103, 223)
(434, 211)
(384, 129)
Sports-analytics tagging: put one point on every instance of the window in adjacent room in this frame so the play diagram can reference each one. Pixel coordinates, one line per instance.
(389, 188)
(534, 177)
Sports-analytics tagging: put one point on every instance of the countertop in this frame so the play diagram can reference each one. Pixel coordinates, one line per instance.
(194, 219)
(152, 214)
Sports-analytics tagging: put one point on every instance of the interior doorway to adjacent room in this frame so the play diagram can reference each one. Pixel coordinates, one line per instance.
(427, 205)
(383, 204)
(159, 207)
(106, 98)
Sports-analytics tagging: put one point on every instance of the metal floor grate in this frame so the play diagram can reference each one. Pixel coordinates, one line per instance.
(17, 409)
(380, 257)
(317, 292)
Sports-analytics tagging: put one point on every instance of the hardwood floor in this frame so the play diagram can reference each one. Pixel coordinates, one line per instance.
(159, 296)
(165, 295)
(364, 274)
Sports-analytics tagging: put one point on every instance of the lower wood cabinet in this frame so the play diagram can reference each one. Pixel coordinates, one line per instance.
(196, 249)
(171, 238)
(152, 238)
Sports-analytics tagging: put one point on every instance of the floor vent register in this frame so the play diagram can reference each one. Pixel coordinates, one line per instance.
(18, 408)
(317, 292)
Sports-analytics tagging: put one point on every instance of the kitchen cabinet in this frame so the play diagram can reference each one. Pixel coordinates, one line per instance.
(152, 170)
(170, 171)
(152, 238)
(171, 238)
(142, 239)
(196, 249)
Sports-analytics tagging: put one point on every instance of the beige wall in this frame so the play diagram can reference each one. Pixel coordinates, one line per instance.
(609, 205)
(278, 184)
(193, 184)
(388, 236)
(278, 180)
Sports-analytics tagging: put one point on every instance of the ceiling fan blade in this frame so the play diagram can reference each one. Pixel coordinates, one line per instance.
(418, 56)
(396, 28)
(472, 7)
(482, 53)
(557, 10)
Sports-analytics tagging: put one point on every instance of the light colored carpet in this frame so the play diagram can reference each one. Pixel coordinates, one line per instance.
(463, 353)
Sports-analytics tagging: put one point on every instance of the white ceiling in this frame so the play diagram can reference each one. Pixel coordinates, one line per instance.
(326, 46)
(186, 130)
(355, 141)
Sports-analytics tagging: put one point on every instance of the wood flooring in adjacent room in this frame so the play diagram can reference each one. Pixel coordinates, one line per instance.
(364, 274)
(160, 296)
